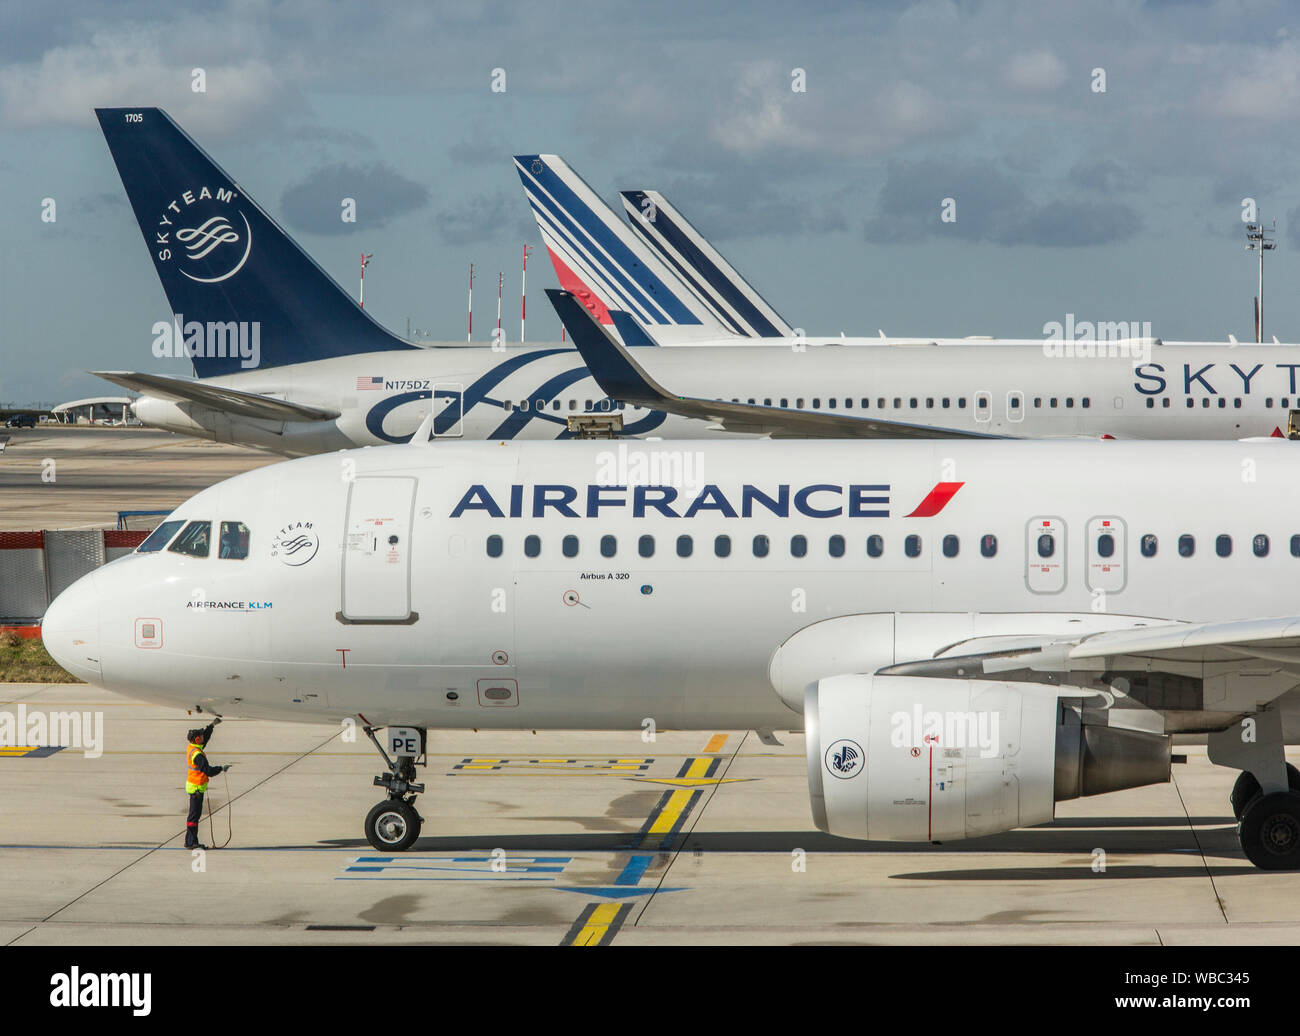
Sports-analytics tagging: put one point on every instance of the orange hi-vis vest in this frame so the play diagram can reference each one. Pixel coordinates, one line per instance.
(195, 779)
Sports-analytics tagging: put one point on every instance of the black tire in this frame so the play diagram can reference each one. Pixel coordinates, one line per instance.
(392, 826)
(1270, 831)
(1247, 787)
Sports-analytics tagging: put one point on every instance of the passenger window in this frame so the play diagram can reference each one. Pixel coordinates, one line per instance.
(645, 546)
(608, 546)
(761, 546)
(912, 546)
(722, 546)
(836, 546)
(494, 546)
(1186, 545)
(1223, 545)
(684, 546)
(1046, 545)
(988, 545)
(876, 546)
(1295, 546)
(532, 546)
(157, 539)
(569, 546)
(1105, 545)
(798, 546)
(234, 541)
(1260, 545)
(1149, 545)
(194, 541)
(950, 546)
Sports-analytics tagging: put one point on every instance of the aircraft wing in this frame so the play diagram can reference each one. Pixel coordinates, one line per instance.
(1239, 665)
(1267, 640)
(621, 377)
(230, 400)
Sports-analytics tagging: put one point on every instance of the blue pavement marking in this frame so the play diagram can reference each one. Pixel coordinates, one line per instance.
(423, 868)
(625, 884)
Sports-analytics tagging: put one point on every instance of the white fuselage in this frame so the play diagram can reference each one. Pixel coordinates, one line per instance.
(1019, 389)
(401, 606)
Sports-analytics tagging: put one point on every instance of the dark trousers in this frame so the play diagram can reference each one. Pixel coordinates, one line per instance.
(192, 820)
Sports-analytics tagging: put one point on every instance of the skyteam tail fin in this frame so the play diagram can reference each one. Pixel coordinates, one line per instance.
(702, 266)
(225, 263)
(604, 265)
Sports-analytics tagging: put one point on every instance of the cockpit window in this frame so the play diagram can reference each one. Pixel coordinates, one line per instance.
(234, 541)
(157, 539)
(194, 541)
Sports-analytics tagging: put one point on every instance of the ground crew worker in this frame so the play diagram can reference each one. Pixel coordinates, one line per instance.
(196, 780)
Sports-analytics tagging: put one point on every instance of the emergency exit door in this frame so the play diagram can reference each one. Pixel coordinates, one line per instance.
(376, 578)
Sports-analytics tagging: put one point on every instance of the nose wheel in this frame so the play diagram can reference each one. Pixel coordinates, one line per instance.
(393, 825)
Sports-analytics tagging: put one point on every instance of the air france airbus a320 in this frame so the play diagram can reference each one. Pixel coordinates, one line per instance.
(287, 362)
(966, 632)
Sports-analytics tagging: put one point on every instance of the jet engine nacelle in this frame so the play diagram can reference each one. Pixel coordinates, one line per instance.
(908, 759)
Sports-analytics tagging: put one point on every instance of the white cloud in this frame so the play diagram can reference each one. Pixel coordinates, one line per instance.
(118, 68)
(1041, 70)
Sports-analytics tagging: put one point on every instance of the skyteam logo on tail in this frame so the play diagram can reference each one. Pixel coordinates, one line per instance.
(209, 238)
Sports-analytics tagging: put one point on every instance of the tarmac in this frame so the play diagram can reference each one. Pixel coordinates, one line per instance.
(554, 838)
(575, 838)
(79, 476)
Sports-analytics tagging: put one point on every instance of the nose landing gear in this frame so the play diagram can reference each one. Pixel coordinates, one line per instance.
(393, 825)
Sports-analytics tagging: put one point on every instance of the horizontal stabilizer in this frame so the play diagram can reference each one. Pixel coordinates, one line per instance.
(229, 400)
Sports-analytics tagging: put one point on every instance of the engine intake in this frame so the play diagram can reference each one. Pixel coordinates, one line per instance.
(912, 759)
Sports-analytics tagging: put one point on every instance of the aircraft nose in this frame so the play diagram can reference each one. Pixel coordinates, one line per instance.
(70, 629)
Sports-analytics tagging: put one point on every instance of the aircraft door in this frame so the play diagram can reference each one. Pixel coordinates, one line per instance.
(450, 420)
(1045, 555)
(1106, 549)
(376, 574)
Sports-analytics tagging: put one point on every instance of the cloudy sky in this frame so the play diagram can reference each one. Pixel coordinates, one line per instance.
(1115, 204)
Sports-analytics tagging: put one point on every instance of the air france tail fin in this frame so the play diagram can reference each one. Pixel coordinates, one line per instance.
(223, 262)
(702, 266)
(604, 265)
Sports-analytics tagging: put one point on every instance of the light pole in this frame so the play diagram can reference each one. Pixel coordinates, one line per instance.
(469, 337)
(365, 261)
(1258, 240)
(523, 294)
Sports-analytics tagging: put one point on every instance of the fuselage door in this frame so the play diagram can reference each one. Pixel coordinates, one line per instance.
(376, 576)
(1105, 549)
(448, 405)
(1045, 555)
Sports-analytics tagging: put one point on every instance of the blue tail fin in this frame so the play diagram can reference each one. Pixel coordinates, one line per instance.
(222, 259)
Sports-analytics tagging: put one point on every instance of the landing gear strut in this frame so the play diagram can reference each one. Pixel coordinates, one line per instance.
(1266, 797)
(393, 825)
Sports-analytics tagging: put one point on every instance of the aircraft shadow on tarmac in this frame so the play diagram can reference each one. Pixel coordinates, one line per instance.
(1118, 836)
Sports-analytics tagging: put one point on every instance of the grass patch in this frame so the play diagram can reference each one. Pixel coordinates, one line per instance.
(26, 661)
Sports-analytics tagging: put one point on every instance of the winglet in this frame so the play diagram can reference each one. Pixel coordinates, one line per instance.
(618, 375)
(423, 434)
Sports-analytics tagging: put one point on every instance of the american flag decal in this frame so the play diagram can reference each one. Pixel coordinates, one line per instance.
(366, 384)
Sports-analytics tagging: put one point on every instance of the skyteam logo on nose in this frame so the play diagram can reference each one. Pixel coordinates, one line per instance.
(844, 758)
(295, 544)
(210, 239)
